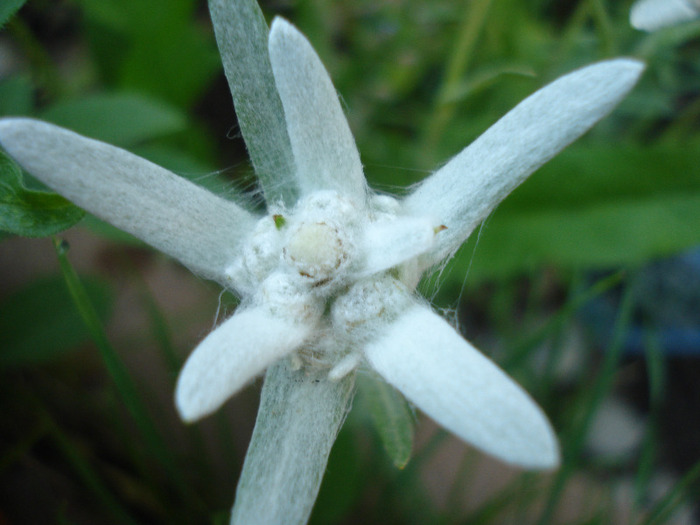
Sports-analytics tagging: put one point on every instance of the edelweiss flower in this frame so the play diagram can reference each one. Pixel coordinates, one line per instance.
(327, 278)
(651, 15)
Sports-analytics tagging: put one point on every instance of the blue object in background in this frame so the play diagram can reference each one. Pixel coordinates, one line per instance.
(666, 296)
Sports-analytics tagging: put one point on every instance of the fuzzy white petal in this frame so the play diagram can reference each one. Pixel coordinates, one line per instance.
(389, 243)
(324, 148)
(435, 368)
(463, 192)
(233, 354)
(650, 15)
(343, 367)
(171, 214)
(241, 34)
(298, 420)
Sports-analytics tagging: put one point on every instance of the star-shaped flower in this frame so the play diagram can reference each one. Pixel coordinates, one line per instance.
(327, 277)
(651, 15)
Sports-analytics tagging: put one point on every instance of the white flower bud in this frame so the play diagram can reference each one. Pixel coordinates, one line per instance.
(320, 237)
(316, 250)
(281, 293)
(368, 306)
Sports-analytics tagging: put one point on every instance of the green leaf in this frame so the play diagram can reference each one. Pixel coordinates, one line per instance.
(484, 78)
(31, 213)
(391, 416)
(39, 323)
(9, 8)
(156, 47)
(16, 96)
(683, 490)
(175, 69)
(120, 119)
(591, 207)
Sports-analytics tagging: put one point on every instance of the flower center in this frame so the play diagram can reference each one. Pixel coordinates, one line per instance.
(316, 250)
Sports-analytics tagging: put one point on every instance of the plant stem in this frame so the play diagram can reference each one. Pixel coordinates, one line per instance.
(117, 370)
(467, 35)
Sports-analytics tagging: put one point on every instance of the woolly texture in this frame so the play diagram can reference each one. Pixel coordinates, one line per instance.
(423, 357)
(389, 243)
(328, 278)
(298, 420)
(650, 15)
(241, 34)
(194, 226)
(324, 148)
(238, 350)
(316, 250)
(463, 192)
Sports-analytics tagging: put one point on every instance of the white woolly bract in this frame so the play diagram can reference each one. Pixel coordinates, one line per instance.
(388, 243)
(324, 149)
(331, 272)
(194, 226)
(298, 420)
(229, 357)
(463, 192)
(258, 257)
(435, 368)
(343, 367)
(650, 15)
(241, 35)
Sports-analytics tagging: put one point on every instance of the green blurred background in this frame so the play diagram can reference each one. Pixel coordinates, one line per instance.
(556, 285)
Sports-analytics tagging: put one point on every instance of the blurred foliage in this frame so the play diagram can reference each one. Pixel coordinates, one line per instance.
(124, 120)
(26, 342)
(419, 80)
(151, 47)
(31, 213)
(9, 8)
(391, 416)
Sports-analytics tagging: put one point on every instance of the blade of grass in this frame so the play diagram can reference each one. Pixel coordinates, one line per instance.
(461, 484)
(518, 491)
(657, 378)
(574, 439)
(83, 469)
(669, 503)
(605, 27)
(467, 36)
(158, 324)
(129, 442)
(571, 34)
(161, 333)
(118, 372)
(656, 369)
(42, 68)
(521, 351)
